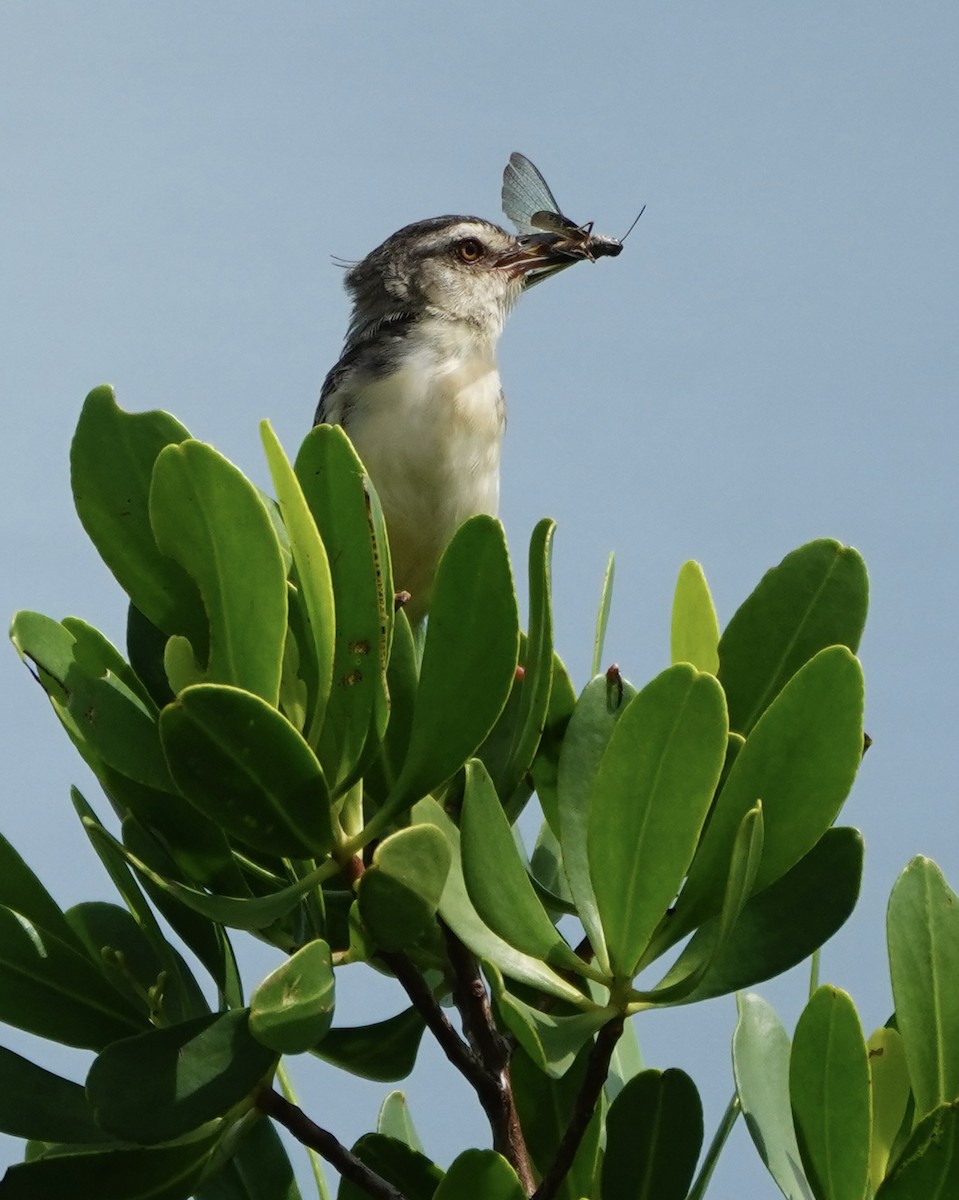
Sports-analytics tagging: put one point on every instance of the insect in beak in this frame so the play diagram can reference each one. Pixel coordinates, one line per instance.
(532, 207)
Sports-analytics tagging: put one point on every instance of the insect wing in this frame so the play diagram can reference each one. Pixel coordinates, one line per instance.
(527, 198)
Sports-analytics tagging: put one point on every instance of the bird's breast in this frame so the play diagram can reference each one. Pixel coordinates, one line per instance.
(429, 433)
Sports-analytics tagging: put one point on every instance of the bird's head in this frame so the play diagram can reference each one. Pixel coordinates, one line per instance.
(456, 268)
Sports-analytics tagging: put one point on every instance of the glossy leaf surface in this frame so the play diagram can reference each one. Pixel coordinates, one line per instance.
(244, 766)
(829, 1092)
(313, 573)
(781, 925)
(208, 517)
(152, 1173)
(650, 798)
(889, 1083)
(458, 912)
(472, 643)
(111, 465)
(654, 1131)
(800, 760)
(400, 891)
(50, 988)
(292, 1008)
(590, 727)
(928, 1168)
(480, 1175)
(816, 597)
(922, 930)
(496, 877)
(35, 1103)
(383, 1050)
(337, 493)
(761, 1067)
(394, 1120)
(167, 1082)
(412, 1173)
(694, 634)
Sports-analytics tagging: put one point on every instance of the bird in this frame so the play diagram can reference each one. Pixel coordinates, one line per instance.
(417, 388)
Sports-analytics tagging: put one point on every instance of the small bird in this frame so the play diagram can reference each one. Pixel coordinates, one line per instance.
(417, 387)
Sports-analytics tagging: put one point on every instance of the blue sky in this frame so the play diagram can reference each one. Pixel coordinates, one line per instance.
(773, 358)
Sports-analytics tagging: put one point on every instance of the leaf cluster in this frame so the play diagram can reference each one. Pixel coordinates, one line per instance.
(285, 757)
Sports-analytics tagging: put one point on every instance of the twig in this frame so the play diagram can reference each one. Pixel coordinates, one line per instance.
(733, 1109)
(423, 1000)
(597, 1070)
(494, 1089)
(325, 1144)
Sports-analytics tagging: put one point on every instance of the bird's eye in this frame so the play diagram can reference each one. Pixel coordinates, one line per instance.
(469, 250)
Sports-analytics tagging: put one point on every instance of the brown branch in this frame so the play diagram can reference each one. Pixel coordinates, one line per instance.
(437, 1022)
(493, 1050)
(325, 1144)
(597, 1069)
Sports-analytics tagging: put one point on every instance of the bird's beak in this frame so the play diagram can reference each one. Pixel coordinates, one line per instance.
(536, 256)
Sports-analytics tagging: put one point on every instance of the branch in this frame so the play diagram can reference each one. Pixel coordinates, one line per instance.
(326, 1145)
(597, 1070)
(495, 1090)
(425, 1003)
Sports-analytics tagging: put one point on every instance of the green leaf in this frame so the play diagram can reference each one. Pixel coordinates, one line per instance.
(292, 1008)
(547, 874)
(244, 766)
(400, 891)
(35, 1103)
(158, 1173)
(394, 1121)
(99, 711)
(260, 1169)
(472, 643)
(208, 942)
(545, 768)
(150, 975)
(761, 1067)
(587, 735)
(384, 1051)
(342, 503)
(800, 760)
(49, 988)
(545, 1108)
(111, 465)
(829, 1092)
(928, 1168)
(209, 518)
(743, 865)
(650, 799)
(534, 689)
(167, 1082)
(552, 1041)
(781, 925)
(695, 630)
(496, 877)
(239, 912)
(602, 615)
(889, 1083)
(411, 1173)
(816, 597)
(22, 891)
(922, 930)
(654, 1131)
(313, 572)
(145, 649)
(458, 912)
(402, 678)
(480, 1175)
